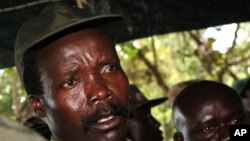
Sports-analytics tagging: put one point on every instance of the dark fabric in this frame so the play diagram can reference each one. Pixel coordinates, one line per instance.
(144, 17)
(11, 21)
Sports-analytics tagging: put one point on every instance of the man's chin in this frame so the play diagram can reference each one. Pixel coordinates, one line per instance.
(109, 129)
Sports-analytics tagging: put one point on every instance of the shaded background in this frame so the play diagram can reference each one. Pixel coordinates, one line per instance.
(144, 17)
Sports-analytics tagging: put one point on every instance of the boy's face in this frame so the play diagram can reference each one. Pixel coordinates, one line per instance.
(209, 118)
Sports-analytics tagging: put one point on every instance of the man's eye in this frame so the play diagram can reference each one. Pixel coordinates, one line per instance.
(208, 129)
(110, 68)
(70, 83)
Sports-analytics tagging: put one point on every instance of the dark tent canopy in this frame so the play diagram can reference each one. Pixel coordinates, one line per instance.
(144, 17)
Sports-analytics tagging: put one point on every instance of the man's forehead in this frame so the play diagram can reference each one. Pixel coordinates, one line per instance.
(216, 109)
(87, 45)
(203, 92)
(198, 101)
(203, 102)
(193, 113)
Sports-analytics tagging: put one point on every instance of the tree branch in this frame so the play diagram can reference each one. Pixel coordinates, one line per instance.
(239, 61)
(14, 93)
(234, 41)
(196, 38)
(155, 72)
(154, 52)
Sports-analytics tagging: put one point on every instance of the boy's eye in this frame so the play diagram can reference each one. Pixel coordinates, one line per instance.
(235, 121)
(208, 129)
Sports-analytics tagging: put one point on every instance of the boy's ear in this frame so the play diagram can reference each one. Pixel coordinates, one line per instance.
(178, 136)
(37, 105)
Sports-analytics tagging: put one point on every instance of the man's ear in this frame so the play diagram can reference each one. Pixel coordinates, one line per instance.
(178, 136)
(37, 105)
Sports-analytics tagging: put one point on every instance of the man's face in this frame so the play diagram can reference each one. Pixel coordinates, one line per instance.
(209, 120)
(85, 89)
(144, 127)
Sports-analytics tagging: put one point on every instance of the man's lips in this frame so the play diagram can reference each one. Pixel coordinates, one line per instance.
(107, 123)
(105, 119)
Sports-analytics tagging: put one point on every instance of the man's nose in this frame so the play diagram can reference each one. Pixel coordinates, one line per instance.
(224, 133)
(98, 91)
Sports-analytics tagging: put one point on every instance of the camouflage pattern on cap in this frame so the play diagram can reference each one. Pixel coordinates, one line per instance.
(56, 20)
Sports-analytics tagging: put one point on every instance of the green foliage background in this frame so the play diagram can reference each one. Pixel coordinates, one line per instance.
(176, 57)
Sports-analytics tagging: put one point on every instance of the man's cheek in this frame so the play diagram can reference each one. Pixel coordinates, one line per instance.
(76, 101)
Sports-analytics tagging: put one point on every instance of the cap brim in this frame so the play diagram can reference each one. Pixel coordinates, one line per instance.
(112, 24)
(153, 102)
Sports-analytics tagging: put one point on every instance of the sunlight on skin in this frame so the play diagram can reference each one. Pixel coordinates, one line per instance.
(224, 36)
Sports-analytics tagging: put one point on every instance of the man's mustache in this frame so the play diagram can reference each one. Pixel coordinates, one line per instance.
(109, 108)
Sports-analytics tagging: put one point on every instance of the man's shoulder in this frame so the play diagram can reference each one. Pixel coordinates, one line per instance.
(13, 131)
